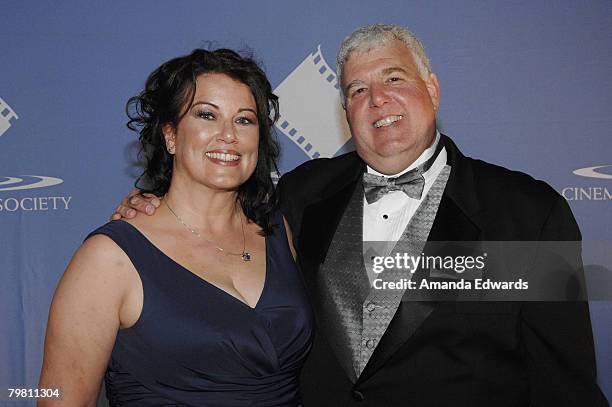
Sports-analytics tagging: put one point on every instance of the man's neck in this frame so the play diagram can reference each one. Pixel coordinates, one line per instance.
(425, 155)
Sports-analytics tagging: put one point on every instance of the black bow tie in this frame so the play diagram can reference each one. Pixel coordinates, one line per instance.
(411, 183)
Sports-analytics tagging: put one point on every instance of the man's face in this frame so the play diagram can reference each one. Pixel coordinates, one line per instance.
(390, 108)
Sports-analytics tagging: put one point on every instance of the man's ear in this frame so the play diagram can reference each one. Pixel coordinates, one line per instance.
(170, 136)
(433, 87)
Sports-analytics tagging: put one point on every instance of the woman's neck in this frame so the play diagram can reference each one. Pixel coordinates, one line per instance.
(202, 207)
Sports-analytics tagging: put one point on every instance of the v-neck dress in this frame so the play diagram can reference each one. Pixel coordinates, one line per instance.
(196, 345)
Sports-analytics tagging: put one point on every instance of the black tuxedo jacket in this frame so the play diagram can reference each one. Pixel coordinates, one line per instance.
(451, 354)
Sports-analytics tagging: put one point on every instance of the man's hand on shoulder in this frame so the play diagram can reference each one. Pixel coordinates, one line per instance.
(134, 202)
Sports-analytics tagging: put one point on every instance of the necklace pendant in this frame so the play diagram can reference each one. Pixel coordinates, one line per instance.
(246, 256)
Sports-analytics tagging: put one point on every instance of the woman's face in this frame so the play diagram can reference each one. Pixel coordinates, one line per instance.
(215, 143)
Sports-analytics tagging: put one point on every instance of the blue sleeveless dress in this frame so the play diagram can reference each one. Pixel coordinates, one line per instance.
(196, 345)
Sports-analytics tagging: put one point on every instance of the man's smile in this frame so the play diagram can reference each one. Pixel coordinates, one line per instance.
(387, 121)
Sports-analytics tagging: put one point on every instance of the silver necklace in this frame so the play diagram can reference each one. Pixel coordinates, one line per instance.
(246, 256)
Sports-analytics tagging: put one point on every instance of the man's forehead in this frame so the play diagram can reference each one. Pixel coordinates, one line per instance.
(378, 62)
(390, 50)
(382, 71)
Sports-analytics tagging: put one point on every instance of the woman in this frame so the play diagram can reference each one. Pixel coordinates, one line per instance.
(199, 304)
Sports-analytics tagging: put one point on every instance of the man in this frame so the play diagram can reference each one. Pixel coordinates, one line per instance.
(374, 348)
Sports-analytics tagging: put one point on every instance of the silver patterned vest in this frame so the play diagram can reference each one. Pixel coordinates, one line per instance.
(354, 314)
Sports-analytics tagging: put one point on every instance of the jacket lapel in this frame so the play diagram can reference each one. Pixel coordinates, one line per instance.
(321, 218)
(319, 224)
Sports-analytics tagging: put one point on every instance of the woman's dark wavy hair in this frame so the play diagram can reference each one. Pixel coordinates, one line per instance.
(168, 94)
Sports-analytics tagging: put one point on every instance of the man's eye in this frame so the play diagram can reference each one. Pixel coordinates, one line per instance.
(206, 115)
(358, 91)
(394, 79)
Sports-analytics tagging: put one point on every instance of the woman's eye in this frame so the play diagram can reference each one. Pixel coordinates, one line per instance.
(244, 120)
(206, 115)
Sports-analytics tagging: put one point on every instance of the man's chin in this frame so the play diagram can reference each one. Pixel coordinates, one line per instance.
(390, 164)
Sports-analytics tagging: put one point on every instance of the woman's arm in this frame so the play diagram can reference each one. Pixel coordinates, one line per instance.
(93, 299)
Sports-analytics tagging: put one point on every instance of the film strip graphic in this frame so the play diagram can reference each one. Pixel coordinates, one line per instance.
(311, 113)
(7, 116)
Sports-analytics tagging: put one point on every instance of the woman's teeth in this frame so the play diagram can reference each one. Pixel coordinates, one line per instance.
(223, 156)
(387, 121)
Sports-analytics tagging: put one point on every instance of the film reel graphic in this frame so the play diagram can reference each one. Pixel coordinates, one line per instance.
(311, 114)
(6, 115)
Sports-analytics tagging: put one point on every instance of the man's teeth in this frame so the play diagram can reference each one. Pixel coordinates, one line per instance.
(223, 156)
(387, 121)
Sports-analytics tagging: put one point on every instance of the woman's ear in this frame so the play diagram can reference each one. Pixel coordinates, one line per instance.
(170, 136)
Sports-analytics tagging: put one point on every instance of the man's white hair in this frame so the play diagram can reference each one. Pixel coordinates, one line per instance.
(369, 37)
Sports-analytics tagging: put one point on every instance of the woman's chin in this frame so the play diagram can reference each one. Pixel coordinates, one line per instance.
(227, 184)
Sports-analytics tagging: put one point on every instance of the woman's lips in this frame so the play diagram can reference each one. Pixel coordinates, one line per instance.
(222, 157)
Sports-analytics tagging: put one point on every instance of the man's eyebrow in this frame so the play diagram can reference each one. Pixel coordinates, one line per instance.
(385, 71)
(354, 83)
(393, 69)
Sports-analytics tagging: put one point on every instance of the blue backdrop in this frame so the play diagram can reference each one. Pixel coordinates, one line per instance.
(527, 85)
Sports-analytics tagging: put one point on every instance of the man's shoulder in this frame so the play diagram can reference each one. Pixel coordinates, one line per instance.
(516, 206)
(508, 204)
(313, 181)
(497, 182)
(318, 174)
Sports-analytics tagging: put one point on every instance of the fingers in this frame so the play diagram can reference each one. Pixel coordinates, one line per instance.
(136, 202)
(146, 203)
(123, 211)
(153, 199)
(139, 203)
(134, 192)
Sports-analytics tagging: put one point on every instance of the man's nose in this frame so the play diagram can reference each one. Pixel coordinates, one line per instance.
(378, 95)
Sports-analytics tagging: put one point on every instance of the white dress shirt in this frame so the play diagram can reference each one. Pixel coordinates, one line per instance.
(387, 218)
